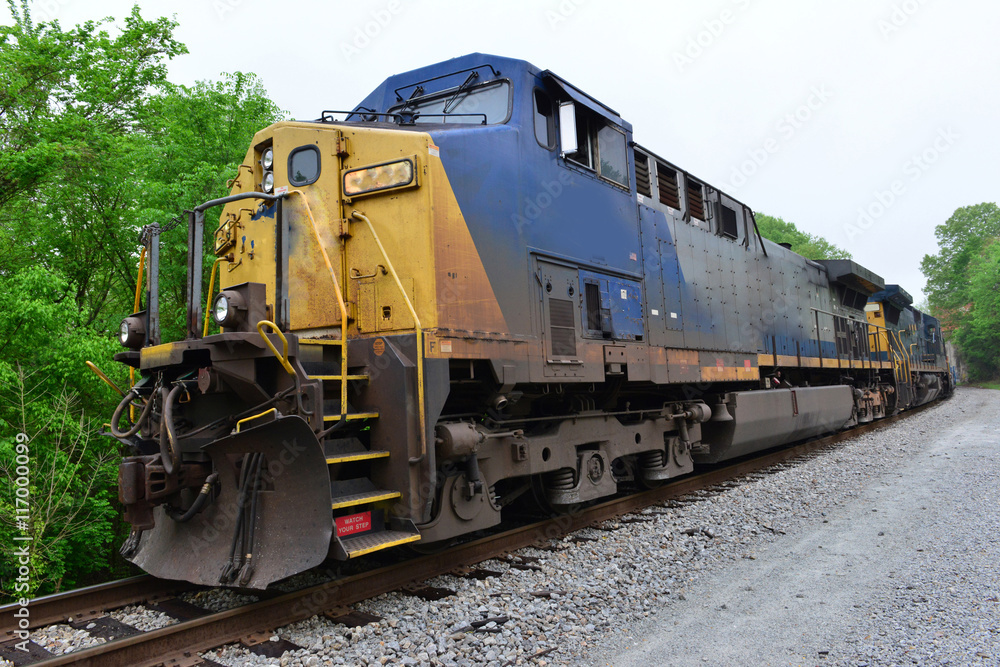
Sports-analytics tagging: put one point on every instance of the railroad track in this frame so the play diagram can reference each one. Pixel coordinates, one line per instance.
(249, 623)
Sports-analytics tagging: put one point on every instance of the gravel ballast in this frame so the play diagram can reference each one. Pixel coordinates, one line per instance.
(882, 551)
(892, 560)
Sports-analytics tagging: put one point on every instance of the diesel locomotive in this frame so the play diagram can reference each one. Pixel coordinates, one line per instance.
(469, 292)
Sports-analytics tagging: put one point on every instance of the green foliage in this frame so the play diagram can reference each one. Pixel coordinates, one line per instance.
(807, 245)
(70, 479)
(95, 143)
(960, 240)
(978, 332)
(40, 330)
(962, 285)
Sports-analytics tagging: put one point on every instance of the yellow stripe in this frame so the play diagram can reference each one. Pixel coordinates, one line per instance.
(394, 543)
(337, 377)
(368, 499)
(814, 362)
(319, 341)
(351, 416)
(360, 456)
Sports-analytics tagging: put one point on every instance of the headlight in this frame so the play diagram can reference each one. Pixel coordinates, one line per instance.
(268, 183)
(220, 311)
(228, 309)
(132, 332)
(267, 159)
(379, 177)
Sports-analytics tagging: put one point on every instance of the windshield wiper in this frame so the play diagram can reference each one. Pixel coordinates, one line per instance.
(468, 82)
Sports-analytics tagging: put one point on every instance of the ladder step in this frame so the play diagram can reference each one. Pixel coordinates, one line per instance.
(337, 377)
(367, 543)
(351, 416)
(364, 498)
(356, 456)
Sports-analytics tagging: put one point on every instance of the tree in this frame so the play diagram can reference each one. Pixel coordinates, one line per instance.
(95, 143)
(807, 245)
(62, 93)
(961, 239)
(962, 283)
(70, 484)
(978, 333)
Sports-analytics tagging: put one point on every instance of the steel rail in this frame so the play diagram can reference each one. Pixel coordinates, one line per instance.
(90, 601)
(208, 632)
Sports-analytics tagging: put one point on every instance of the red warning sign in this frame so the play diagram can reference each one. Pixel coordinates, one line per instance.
(354, 523)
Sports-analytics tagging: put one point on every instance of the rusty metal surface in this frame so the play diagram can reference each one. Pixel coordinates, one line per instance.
(160, 645)
(92, 601)
(294, 521)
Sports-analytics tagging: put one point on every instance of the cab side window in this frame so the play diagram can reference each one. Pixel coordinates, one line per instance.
(544, 120)
(600, 146)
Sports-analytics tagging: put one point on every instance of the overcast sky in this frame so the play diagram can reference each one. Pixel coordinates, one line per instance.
(867, 122)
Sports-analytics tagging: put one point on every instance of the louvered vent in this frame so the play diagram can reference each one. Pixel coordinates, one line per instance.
(696, 201)
(562, 325)
(642, 184)
(666, 183)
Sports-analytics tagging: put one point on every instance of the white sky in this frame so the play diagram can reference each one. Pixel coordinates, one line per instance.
(890, 94)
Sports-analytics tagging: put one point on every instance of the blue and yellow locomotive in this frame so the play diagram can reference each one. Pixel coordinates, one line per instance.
(473, 288)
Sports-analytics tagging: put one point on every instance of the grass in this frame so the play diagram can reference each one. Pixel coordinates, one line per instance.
(987, 385)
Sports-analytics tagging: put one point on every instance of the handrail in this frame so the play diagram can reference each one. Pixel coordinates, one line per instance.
(902, 354)
(92, 366)
(283, 357)
(135, 309)
(419, 332)
(340, 304)
(256, 416)
(211, 288)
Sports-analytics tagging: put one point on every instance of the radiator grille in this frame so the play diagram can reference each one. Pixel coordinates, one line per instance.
(562, 326)
(666, 183)
(642, 184)
(696, 201)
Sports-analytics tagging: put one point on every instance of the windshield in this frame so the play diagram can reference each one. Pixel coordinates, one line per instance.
(455, 106)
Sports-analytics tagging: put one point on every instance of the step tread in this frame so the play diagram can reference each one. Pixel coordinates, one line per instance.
(369, 542)
(349, 500)
(346, 457)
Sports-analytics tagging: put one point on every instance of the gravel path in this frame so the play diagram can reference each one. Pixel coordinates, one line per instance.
(906, 570)
(883, 551)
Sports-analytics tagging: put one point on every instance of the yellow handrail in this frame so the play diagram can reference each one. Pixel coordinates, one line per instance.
(135, 308)
(416, 323)
(211, 288)
(340, 304)
(92, 366)
(283, 356)
(902, 354)
(256, 416)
